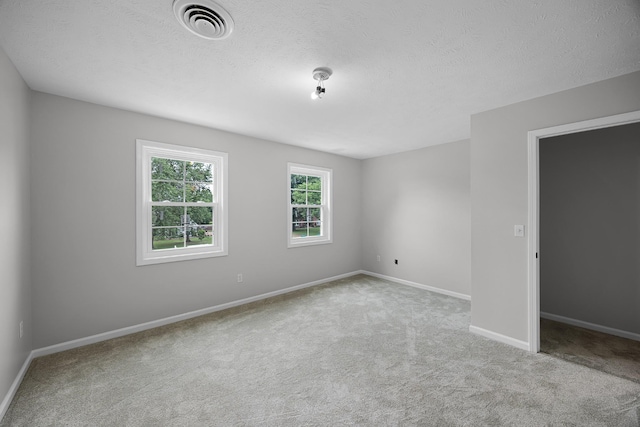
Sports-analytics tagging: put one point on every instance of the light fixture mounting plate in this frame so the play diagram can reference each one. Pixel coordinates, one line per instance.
(322, 73)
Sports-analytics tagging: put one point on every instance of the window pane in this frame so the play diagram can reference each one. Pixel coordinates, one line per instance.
(168, 238)
(299, 215)
(199, 229)
(299, 229)
(209, 237)
(166, 215)
(298, 181)
(314, 215)
(166, 169)
(200, 239)
(200, 215)
(314, 197)
(167, 192)
(298, 197)
(314, 183)
(315, 229)
(199, 192)
(195, 171)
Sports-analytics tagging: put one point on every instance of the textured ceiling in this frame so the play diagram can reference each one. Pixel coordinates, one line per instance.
(407, 74)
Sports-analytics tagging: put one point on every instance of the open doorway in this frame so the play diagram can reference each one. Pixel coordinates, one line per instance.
(589, 217)
(534, 256)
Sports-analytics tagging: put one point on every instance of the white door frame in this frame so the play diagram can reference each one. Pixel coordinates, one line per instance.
(534, 137)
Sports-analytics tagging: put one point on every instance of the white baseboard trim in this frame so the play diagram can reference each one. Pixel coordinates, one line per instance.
(68, 345)
(4, 406)
(523, 345)
(592, 326)
(418, 285)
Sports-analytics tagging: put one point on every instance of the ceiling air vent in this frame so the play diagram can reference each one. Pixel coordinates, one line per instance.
(204, 18)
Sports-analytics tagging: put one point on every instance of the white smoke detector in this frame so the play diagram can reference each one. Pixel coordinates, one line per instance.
(204, 18)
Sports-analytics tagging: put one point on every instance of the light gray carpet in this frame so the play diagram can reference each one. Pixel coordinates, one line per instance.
(359, 351)
(607, 353)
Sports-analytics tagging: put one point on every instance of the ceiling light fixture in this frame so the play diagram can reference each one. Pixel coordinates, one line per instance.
(320, 74)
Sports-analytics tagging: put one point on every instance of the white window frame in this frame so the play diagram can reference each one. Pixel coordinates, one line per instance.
(326, 176)
(145, 150)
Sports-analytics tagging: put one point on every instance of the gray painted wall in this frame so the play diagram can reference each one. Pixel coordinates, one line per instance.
(416, 210)
(499, 186)
(84, 274)
(590, 226)
(15, 285)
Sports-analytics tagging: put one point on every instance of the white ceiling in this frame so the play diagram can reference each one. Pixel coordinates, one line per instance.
(407, 74)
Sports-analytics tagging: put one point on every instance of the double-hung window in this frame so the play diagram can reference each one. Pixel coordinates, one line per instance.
(181, 194)
(309, 213)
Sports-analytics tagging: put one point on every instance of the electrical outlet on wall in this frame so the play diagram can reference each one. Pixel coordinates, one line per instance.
(240, 278)
(396, 262)
(21, 328)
